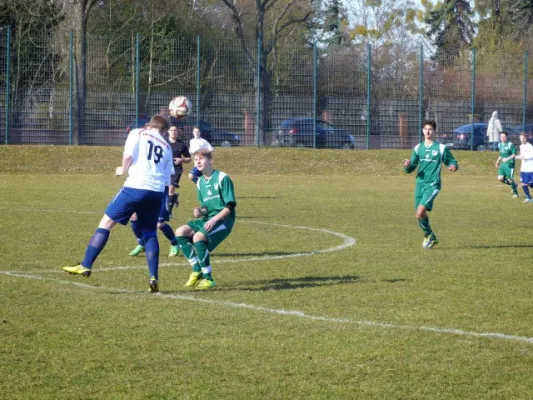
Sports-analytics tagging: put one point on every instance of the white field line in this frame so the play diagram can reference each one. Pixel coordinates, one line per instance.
(289, 313)
(347, 242)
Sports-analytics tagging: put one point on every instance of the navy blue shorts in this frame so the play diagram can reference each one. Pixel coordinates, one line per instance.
(145, 203)
(164, 215)
(526, 177)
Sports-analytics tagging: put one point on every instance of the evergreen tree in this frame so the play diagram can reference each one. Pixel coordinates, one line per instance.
(451, 29)
(521, 17)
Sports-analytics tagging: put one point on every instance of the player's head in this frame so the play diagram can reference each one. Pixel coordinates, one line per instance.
(196, 132)
(430, 122)
(160, 123)
(523, 138)
(203, 160)
(173, 133)
(429, 128)
(503, 136)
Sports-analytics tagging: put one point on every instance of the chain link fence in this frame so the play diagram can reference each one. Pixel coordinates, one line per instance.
(353, 97)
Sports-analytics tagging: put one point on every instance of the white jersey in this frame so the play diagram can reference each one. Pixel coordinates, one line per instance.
(152, 163)
(526, 154)
(197, 144)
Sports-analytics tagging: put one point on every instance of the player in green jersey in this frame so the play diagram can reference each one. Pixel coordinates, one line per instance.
(214, 220)
(428, 156)
(506, 168)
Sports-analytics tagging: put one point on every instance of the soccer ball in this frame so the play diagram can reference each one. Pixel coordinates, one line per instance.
(180, 107)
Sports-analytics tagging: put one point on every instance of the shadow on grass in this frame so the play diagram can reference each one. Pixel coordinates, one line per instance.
(396, 280)
(498, 246)
(239, 216)
(295, 283)
(259, 197)
(262, 254)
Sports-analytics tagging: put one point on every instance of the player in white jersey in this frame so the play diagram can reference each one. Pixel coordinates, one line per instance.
(526, 166)
(196, 144)
(147, 160)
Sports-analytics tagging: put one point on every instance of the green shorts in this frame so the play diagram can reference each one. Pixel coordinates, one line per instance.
(425, 195)
(506, 170)
(220, 231)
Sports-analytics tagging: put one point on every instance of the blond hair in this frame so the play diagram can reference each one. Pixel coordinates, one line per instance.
(204, 152)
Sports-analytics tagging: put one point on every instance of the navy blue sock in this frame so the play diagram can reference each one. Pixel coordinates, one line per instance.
(526, 191)
(95, 246)
(152, 253)
(169, 233)
(137, 231)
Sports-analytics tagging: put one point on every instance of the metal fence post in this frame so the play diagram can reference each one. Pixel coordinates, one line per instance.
(70, 87)
(368, 86)
(198, 80)
(473, 98)
(258, 100)
(8, 83)
(137, 78)
(421, 94)
(314, 93)
(524, 108)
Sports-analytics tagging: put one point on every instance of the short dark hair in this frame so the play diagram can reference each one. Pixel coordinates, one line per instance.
(503, 132)
(431, 122)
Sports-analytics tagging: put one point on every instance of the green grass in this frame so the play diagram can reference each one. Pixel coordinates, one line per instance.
(369, 321)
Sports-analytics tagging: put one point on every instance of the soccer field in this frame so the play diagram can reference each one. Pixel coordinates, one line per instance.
(324, 291)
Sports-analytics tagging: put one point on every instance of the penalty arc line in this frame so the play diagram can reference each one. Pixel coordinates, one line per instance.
(348, 241)
(290, 313)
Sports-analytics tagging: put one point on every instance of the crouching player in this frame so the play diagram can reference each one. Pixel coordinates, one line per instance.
(214, 220)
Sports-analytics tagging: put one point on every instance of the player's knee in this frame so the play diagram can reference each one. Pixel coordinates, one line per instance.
(500, 178)
(160, 225)
(183, 230)
(147, 234)
(199, 237)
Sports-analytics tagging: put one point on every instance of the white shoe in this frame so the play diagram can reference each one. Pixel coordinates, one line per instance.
(528, 201)
(515, 196)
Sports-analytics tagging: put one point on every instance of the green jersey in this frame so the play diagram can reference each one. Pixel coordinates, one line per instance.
(215, 192)
(507, 149)
(429, 160)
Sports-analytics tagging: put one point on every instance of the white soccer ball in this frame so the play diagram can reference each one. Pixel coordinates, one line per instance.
(180, 107)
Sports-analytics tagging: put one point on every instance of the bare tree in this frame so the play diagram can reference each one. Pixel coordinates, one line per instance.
(79, 11)
(270, 19)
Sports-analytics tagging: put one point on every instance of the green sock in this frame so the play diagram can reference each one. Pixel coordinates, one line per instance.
(187, 250)
(424, 225)
(203, 258)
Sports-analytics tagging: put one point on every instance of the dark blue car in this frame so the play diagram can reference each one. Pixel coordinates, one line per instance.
(216, 137)
(462, 137)
(298, 132)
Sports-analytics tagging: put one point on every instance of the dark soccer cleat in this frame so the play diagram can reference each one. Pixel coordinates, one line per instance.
(153, 285)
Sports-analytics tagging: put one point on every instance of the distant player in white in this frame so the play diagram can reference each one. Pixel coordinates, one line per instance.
(526, 166)
(147, 159)
(196, 144)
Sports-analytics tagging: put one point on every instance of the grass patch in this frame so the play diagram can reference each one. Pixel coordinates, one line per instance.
(290, 319)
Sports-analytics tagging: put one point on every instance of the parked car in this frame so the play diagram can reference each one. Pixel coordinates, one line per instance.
(298, 132)
(462, 136)
(215, 136)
